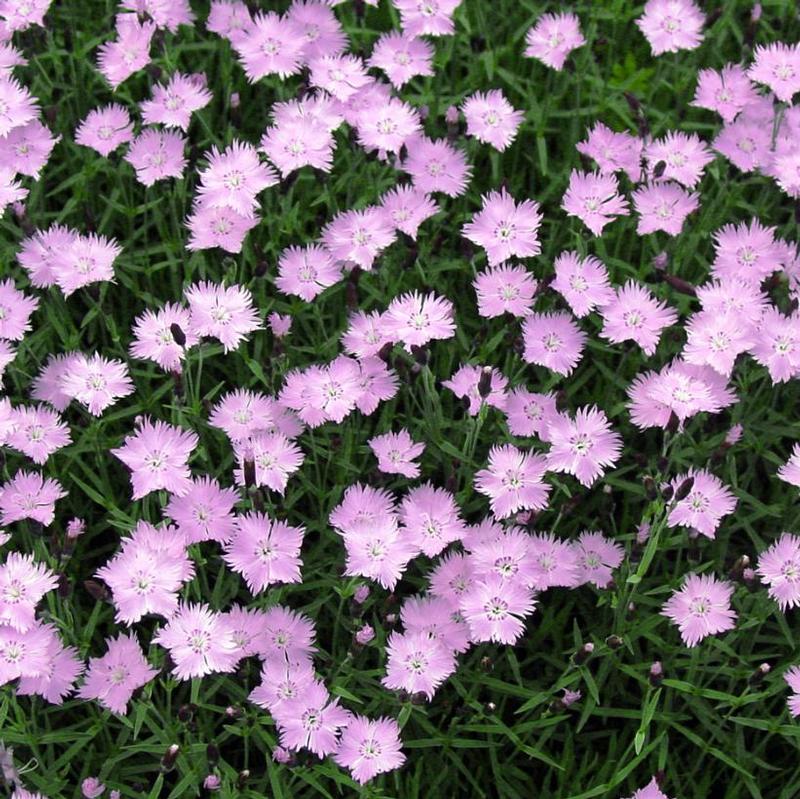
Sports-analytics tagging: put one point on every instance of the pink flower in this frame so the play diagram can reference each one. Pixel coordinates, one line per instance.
(636, 315)
(91, 788)
(735, 297)
(594, 198)
(505, 288)
(362, 503)
(435, 165)
(85, 260)
(118, 60)
(402, 57)
(173, 105)
(295, 143)
(727, 91)
(204, 512)
(368, 748)
(16, 308)
(452, 578)
(27, 148)
(684, 156)
(104, 129)
(779, 570)
(408, 208)
(25, 654)
(748, 252)
(704, 506)
(716, 339)
(23, 582)
(777, 65)
(396, 452)
(311, 721)
(612, 151)
(218, 227)
(97, 382)
(790, 471)
(280, 324)
(376, 549)
(671, 25)
(552, 562)
(582, 282)
(285, 635)
(306, 271)
(270, 45)
(376, 383)
(243, 414)
(553, 38)
(199, 640)
(48, 385)
(777, 344)
(650, 791)
(168, 14)
(427, 18)
(29, 496)
(20, 16)
(513, 481)
(745, 143)
(504, 228)
(495, 609)
(17, 106)
(282, 678)
(415, 319)
(465, 384)
(264, 551)
(7, 355)
(322, 31)
(491, 118)
(365, 335)
(57, 679)
(431, 518)
(226, 313)
(154, 338)
(229, 18)
(358, 236)
(583, 447)
(11, 190)
(527, 413)
(435, 617)
(157, 155)
(233, 177)
(147, 573)
(701, 608)
(340, 75)
(597, 556)
(663, 206)
(553, 340)
(38, 432)
(39, 252)
(276, 459)
(506, 554)
(387, 127)
(416, 663)
(157, 455)
(113, 678)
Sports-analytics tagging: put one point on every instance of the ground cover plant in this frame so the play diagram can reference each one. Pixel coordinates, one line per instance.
(399, 399)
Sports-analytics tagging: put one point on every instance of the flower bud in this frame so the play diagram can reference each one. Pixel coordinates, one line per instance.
(178, 334)
(757, 677)
(485, 382)
(583, 654)
(170, 757)
(656, 674)
(684, 489)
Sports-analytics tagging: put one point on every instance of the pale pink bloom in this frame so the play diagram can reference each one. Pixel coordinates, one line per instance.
(452, 577)
(17, 105)
(435, 617)
(233, 177)
(582, 282)
(129, 53)
(321, 29)
(281, 679)
(243, 414)
(505, 288)
(377, 549)
(147, 573)
(431, 519)
(315, 106)
(584, 447)
(414, 319)
(495, 609)
(464, 384)
(487, 530)
(506, 555)
(779, 569)
(285, 635)
(25, 654)
(295, 143)
(16, 308)
(672, 25)
(663, 206)
(682, 157)
(527, 413)
(745, 143)
(154, 339)
(296, 394)
(370, 747)
(792, 678)
(199, 641)
(7, 355)
(306, 271)
(361, 503)
(416, 663)
(636, 315)
(38, 432)
(513, 481)
(312, 720)
(777, 344)
(10, 57)
(553, 340)
(435, 165)
(377, 383)
(553, 38)
(491, 118)
(7, 420)
(334, 389)
(777, 65)
(365, 335)
(553, 562)
(218, 227)
(613, 151)
(19, 16)
(594, 198)
(173, 104)
(749, 252)
(704, 506)
(157, 155)
(701, 607)
(339, 75)
(790, 471)
(39, 252)
(726, 91)
(650, 791)
(358, 236)
(167, 14)
(157, 455)
(387, 127)
(270, 45)
(280, 324)
(96, 382)
(396, 452)
(91, 788)
(428, 17)
(372, 94)
(57, 680)
(29, 496)
(408, 208)
(11, 190)
(504, 228)
(226, 313)
(230, 19)
(597, 556)
(717, 339)
(741, 299)
(23, 583)
(26, 149)
(786, 170)
(402, 57)
(85, 260)
(276, 459)
(205, 512)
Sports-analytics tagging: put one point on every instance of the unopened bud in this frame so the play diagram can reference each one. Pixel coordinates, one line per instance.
(97, 590)
(757, 677)
(684, 489)
(650, 490)
(583, 654)
(170, 757)
(656, 674)
(178, 334)
(485, 382)
(614, 642)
